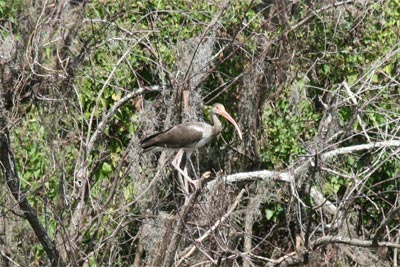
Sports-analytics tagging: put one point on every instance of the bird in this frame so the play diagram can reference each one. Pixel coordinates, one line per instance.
(188, 136)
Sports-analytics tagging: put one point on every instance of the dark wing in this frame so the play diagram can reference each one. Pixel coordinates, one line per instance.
(180, 136)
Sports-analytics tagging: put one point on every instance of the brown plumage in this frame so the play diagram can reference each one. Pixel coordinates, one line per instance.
(174, 138)
(189, 135)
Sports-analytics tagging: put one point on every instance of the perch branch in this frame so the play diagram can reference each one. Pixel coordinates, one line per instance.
(352, 242)
(352, 149)
(289, 176)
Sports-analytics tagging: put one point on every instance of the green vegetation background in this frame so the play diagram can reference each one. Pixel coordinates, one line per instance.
(136, 42)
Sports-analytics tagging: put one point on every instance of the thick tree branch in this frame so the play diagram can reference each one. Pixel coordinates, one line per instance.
(351, 242)
(252, 208)
(10, 172)
(250, 176)
(289, 175)
(356, 148)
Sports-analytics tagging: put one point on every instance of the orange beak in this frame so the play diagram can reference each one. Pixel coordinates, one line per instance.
(226, 115)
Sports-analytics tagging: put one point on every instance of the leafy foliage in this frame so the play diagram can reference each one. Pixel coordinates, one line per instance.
(89, 197)
(286, 129)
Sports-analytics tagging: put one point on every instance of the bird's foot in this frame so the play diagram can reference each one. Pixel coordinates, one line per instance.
(205, 175)
(195, 184)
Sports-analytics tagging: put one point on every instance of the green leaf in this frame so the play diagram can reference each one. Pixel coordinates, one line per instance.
(326, 68)
(106, 168)
(351, 79)
(269, 214)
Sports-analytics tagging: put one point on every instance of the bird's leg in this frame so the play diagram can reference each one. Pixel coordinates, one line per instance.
(188, 161)
(189, 164)
(176, 163)
(192, 166)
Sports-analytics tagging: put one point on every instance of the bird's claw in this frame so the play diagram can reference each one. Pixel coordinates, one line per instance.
(196, 184)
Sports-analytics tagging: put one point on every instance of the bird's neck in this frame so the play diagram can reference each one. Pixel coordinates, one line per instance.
(217, 127)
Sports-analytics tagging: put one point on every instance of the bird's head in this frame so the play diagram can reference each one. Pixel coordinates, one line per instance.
(220, 110)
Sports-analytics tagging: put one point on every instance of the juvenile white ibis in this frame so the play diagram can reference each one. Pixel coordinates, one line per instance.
(187, 137)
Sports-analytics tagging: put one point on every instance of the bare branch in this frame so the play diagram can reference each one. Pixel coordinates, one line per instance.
(355, 103)
(189, 251)
(383, 225)
(356, 148)
(250, 176)
(10, 173)
(111, 112)
(316, 12)
(352, 242)
(288, 176)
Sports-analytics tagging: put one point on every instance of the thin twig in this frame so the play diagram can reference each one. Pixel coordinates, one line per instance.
(189, 251)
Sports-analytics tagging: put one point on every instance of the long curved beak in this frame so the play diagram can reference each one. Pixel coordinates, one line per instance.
(231, 120)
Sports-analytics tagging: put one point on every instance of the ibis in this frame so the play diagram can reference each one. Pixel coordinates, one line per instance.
(188, 136)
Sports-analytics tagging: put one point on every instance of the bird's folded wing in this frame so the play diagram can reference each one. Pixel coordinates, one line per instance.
(179, 136)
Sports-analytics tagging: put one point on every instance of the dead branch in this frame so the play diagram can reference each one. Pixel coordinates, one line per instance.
(296, 257)
(316, 12)
(289, 176)
(352, 242)
(111, 112)
(9, 170)
(189, 251)
(275, 261)
(356, 148)
(248, 227)
(179, 226)
(391, 216)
